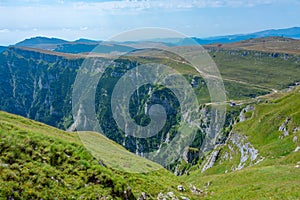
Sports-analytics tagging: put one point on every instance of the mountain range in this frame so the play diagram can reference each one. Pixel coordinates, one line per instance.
(255, 156)
(2, 48)
(293, 32)
(86, 44)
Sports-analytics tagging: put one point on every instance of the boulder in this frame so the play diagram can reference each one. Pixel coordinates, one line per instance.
(295, 139)
(143, 196)
(161, 196)
(172, 196)
(180, 188)
(196, 190)
(184, 198)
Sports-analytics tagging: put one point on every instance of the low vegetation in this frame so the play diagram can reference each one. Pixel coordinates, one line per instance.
(277, 175)
(41, 162)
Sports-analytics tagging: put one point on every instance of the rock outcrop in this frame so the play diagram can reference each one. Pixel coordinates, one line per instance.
(211, 159)
(283, 128)
(249, 154)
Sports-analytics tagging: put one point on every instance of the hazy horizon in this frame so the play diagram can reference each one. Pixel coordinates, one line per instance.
(99, 20)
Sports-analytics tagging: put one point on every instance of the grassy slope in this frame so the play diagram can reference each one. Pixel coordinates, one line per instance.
(266, 72)
(244, 75)
(277, 176)
(274, 178)
(39, 161)
(103, 148)
(237, 87)
(267, 44)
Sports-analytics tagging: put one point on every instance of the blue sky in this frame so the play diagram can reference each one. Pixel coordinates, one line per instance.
(100, 20)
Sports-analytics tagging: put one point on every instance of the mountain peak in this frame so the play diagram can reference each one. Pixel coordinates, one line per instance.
(39, 40)
(84, 40)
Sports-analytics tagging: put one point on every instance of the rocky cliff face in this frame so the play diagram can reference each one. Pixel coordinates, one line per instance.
(262, 133)
(255, 53)
(37, 85)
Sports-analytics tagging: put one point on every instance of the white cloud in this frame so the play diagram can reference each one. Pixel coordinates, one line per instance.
(84, 28)
(5, 30)
(175, 4)
(140, 4)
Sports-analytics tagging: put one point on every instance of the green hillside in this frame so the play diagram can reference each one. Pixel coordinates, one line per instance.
(273, 130)
(256, 161)
(102, 148)
(41, 162)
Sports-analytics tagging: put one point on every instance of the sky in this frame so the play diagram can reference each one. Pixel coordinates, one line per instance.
(102, 19)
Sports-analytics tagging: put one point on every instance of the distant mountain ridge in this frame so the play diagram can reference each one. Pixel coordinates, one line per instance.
(2, 48)
(74, 47)
(293, 32)
(273, 44)
(84, 45)
(41, 43)
(83, 40)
